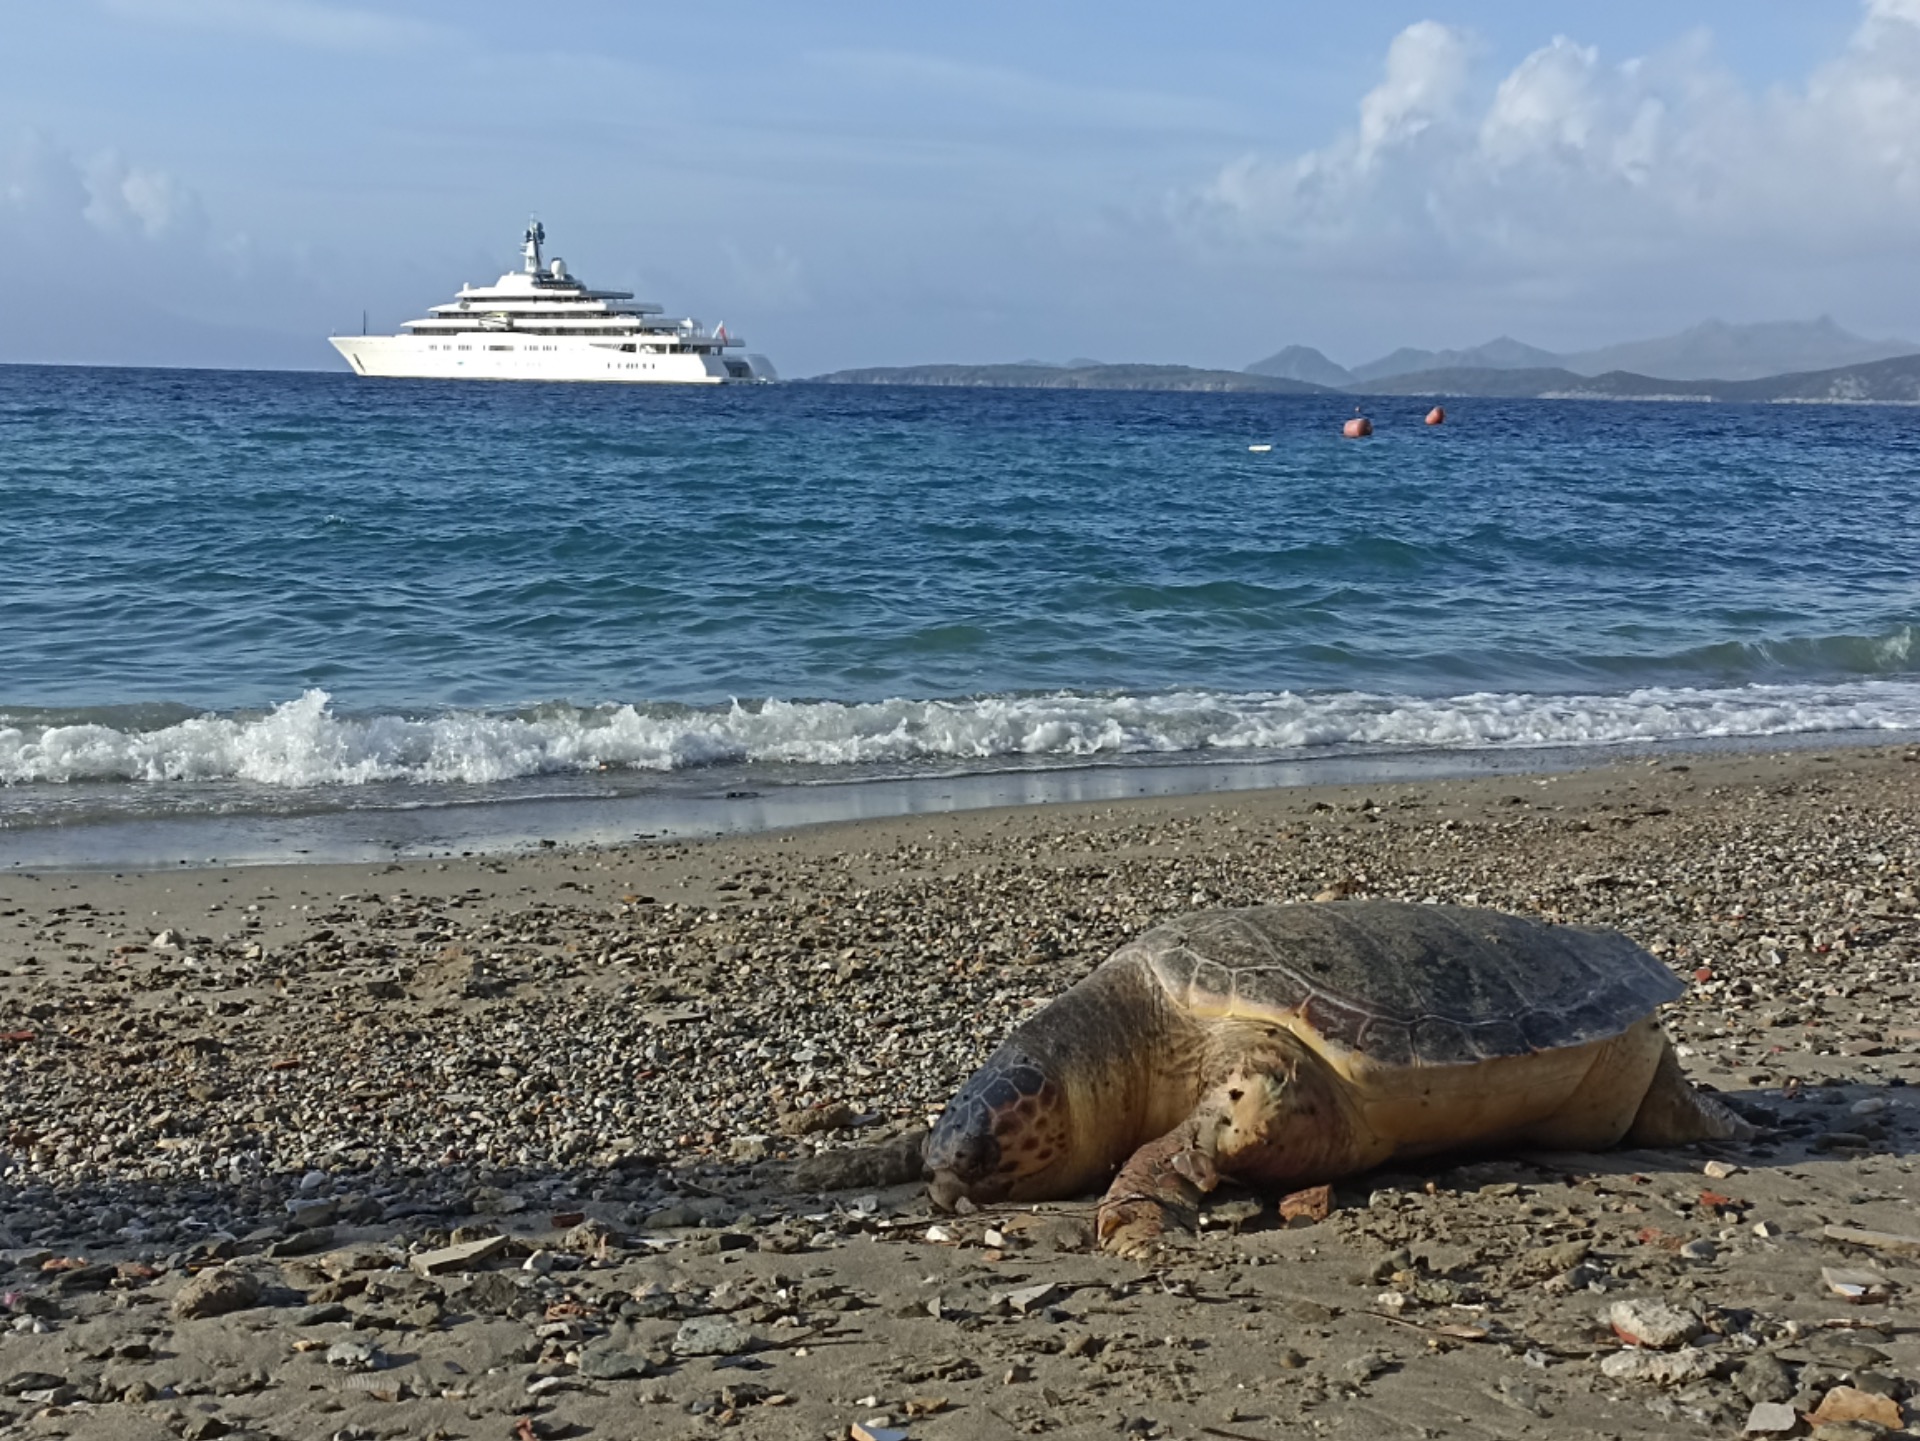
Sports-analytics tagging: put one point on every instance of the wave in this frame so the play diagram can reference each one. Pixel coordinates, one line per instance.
(306, 743)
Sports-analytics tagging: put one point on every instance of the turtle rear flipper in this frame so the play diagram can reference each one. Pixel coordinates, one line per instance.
(1673, 1113)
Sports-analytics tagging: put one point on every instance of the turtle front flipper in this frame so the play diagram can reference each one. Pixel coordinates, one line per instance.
(1158, 1189)
(1275, 1117)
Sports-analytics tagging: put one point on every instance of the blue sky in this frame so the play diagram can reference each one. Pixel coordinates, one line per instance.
(224, 181)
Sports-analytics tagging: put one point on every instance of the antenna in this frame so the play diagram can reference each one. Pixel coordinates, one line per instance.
(363, 322)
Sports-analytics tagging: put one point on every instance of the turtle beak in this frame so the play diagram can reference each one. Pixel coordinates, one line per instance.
(961, 1155)
(948, 1192)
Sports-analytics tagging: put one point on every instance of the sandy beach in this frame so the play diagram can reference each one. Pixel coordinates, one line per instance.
(542, 1146)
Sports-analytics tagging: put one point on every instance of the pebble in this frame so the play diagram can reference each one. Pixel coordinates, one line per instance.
(462, 1257)
(1663, 1368)
(1849, 1403)
(711, 1336)
(1771, 1418)
(1029, 1299)
(607, 1362)
(354, 1355)
(215, 1293)
(1651, 1323)
(1762, 1377)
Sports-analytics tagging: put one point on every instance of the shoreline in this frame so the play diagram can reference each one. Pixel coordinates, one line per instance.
(618, 1082)
(689, 811)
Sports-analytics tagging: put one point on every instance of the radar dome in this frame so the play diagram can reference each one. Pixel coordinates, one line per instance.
(558, 269)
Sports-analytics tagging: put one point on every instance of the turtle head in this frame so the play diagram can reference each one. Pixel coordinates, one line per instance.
(1005, 1137)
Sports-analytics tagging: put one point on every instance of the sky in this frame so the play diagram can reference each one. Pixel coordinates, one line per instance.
(224, 182)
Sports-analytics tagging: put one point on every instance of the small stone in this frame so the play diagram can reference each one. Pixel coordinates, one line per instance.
(1762, 1377)
(314, 1181)
(462, 1257)
(1362, 1369)
(215, 1293)
(1675, 1368)
(310, 1213)
(827, 1116)
(874, 1431)
(1719, 1170)
(1651, 1323)
(354, 1355)
(591, 1238)
(605, 1362)
(1849, 1403)
(712, 1336)
(1878, 1240)
(1233, 1214)
(1304, 1208)
(22, 1382)
(1771, 1418)
(1029, 1299)
(1699, 1250)
(1857, 1286)
(1768, 1230)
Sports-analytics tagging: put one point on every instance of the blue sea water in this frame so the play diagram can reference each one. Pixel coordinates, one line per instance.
(259, 594)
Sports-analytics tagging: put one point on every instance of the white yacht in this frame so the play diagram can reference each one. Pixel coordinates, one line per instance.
(541, 323)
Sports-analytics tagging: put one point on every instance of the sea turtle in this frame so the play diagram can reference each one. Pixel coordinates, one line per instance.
(1282, 1046)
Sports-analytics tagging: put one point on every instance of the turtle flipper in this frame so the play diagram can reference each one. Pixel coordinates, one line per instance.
(1157, 1190)
(1673, 1113)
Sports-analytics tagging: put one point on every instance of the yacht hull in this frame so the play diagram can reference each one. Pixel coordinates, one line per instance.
(484, 356)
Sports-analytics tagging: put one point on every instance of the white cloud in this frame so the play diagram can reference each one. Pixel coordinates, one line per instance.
(46, 187)
(1425, 84)
(307, 23)
(1572, 161)
(129, 269)
(131, 198)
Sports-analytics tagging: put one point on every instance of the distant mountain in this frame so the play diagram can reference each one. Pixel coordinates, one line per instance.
(1504, 353)
(1302, 362)
(1540, 381)
(1089, 377)
(1711, 351)
(1718, 351)
(1895, 381)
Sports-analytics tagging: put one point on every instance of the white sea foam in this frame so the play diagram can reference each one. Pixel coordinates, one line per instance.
(304, 742)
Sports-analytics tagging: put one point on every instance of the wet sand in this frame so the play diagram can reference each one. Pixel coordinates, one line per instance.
(619, 1079)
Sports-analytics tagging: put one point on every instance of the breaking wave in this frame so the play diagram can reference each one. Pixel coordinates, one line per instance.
(306, 743)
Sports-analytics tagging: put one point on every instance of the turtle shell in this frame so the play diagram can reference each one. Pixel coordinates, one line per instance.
(1407, 985)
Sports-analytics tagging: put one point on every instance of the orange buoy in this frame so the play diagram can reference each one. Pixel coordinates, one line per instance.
(1436, 416)
(1357, 427)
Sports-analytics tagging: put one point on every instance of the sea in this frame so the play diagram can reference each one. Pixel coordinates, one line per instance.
(252, 616)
